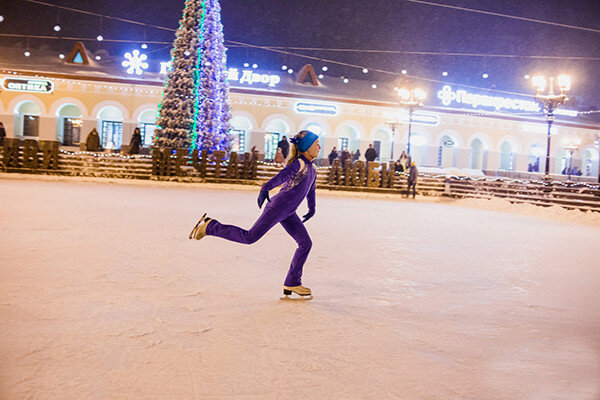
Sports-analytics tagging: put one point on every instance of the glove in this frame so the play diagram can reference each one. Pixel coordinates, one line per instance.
(308, 216)
(262, 196)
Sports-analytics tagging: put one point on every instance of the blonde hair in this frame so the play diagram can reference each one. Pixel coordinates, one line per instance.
(295, 153)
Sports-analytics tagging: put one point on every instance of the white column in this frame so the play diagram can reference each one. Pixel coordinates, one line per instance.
(520, 162)
(493, 160)
(128, 127)
(47, 127)
(462, 155)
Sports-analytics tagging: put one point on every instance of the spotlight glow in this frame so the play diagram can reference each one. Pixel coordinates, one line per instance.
(404, 72)
(99, 38)
(27, 53)
(365, 71)
(324, 69)
(56, 28)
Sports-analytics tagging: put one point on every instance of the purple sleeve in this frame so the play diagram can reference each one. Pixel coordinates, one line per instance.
(310, 197)
(283, 176)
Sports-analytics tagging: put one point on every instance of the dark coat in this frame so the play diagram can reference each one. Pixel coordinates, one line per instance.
(398, 167)
(135, 144)
(332, 156)
(92, 143)
(2, 135)
(356, 155)
(285, 147)
(370, 154)
(413, 172)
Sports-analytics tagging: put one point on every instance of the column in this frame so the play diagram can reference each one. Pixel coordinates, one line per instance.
(47, 128)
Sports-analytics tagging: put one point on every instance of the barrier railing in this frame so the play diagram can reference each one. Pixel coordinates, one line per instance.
(32, 156)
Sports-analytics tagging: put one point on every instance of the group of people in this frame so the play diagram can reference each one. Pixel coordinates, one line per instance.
(345, 155)
(93, 142)
(402, 164)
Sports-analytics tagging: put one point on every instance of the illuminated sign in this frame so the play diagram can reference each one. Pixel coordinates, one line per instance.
(449, 96)
(304, 107)
(28, 85)
(250, 77)
(135, 62)
(165, 67)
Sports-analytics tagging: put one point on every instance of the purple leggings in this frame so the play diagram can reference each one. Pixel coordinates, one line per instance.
(268, 219)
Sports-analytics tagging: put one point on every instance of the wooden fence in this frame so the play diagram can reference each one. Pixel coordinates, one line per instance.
(44, 157)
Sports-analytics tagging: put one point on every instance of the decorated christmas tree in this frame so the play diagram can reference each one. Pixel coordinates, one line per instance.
(194, 111)
(175, 123)
(212, 129)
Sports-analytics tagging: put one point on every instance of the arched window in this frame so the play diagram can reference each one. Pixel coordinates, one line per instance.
(147, 125)
(536, 152)
(347, 139)
(382, 141)
(476, 156)
(68, 124)
(276, 129)
(240, 133)
(447, 153)
(506, 156)
(110, 121)
(27, 119)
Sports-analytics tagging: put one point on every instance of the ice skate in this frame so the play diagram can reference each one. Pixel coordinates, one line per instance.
(303, 292)
(199, 230)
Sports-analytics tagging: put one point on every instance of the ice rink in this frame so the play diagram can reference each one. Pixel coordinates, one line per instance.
(102, 296)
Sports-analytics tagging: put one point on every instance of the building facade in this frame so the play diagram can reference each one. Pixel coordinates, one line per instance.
(66, 107)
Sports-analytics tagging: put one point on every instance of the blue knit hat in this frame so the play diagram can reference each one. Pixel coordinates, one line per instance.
(304, 143)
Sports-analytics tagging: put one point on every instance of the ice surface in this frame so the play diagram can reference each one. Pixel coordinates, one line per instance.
(102, 296)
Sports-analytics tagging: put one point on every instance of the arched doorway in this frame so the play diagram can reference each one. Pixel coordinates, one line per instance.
(27, 119)
(110, 127)
(147, 125)
(68, 124)
(476, 156)
(275, 130)
(240, 133)
(447, 152)
(506, 156)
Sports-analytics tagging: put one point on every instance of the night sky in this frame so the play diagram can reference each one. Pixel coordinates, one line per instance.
(357, 24)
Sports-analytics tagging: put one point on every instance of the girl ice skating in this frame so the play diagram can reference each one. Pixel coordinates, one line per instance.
(298, 179)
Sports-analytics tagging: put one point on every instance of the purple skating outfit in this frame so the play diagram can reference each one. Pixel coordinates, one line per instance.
(298, 179)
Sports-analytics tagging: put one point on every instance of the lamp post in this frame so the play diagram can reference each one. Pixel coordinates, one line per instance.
(411, 99)
(571, 145)
(393, 125)
(550, 102)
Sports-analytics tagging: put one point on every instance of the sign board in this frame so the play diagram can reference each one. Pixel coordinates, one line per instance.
(250, 77)
(28, 85)
(305, 107)
(448, 97)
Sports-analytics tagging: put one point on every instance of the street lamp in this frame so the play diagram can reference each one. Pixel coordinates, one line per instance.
(411, 99)
(597, 143)
(550, 102)
(571, 145)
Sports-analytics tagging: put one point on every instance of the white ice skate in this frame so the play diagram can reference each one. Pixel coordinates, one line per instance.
(199, 230)
(303, 292)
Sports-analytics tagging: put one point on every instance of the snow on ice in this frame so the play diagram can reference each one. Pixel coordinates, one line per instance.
(102, 296)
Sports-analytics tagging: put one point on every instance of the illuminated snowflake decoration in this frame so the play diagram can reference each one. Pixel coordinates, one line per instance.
(135, 62)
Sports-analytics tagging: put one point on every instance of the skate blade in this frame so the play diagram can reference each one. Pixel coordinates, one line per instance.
(299, 298)
(196, 227)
